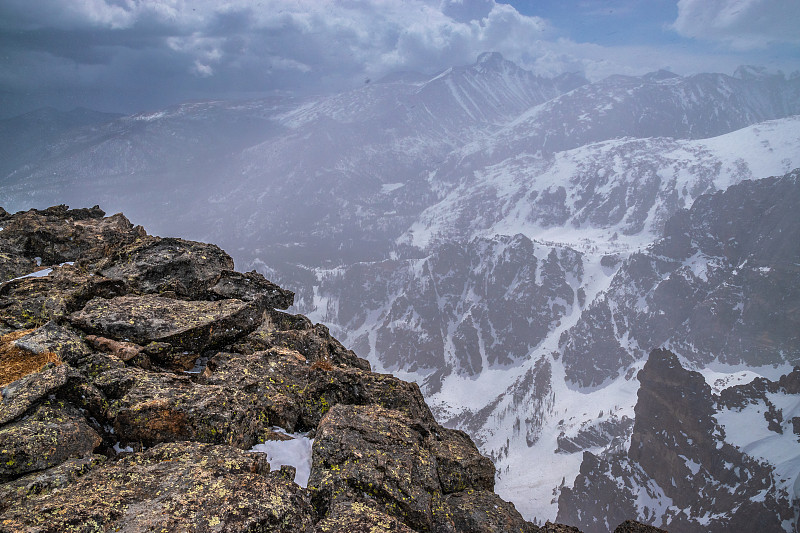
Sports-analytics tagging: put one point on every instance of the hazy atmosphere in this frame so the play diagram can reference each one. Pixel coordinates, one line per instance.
(129, 55)
(459, 265)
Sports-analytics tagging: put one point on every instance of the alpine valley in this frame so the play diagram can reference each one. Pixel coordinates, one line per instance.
(599, 282)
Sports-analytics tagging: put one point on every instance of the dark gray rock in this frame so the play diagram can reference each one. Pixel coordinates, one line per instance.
(349, 517)
(20, 396)
(371, 453)
(296, 332)
(250, 286)
(57, 337)
(57, 235)
(185, 325)
(169, 266)
(631, 526)
(47, 438)
(484, 512)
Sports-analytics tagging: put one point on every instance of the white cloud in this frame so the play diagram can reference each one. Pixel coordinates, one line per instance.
(202, 70)
(328, 36)
(740, 24)
(169, 50)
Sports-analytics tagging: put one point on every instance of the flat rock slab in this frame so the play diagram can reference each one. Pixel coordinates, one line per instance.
(18, 397)
(58, 338)
(32, 301)
(186, 325)
(164, 407)
(171, 487)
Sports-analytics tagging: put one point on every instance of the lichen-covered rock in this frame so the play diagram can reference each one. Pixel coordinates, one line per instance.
(57, 235)
(478, 511)
(125, 322)
(250, 286)
(366, 453)
(47, 438)
(171, 487)
(186, 325)
(32, 301)
(56, 337)
(297, 332)
(46, 480)
(460, 465)
(20, 396)
(353, 517)
(14, 265)
(549, 527)
(295, 393)
(148, 408)
(168, 266)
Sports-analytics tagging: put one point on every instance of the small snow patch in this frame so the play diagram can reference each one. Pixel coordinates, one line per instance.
(39, 273)
(389, 187)
(119, 449)
(295, 452)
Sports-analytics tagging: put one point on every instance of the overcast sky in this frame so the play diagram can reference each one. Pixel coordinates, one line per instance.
(135, 55)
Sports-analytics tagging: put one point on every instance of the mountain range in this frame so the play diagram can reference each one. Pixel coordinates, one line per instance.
(516, 245)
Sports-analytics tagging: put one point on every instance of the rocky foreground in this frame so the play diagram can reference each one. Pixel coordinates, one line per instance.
(137, 372)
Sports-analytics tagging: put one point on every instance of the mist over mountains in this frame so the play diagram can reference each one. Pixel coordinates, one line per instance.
(515, 244)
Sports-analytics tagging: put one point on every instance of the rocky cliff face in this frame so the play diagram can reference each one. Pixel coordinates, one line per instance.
(722, 284)
(679, 471)
(464, 308)
(167, 367)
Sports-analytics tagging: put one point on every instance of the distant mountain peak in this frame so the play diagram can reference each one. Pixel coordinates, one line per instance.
(490, 58)
(660, 74)
(753, 72)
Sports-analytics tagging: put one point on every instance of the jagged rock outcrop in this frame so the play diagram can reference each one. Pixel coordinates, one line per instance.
(679, 471)
(167, 366)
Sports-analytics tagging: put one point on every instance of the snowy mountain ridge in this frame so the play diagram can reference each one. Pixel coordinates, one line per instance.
(489, 234)
(625, 186)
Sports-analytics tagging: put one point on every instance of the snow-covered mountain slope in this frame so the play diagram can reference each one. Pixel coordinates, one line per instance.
(249, 175)
(330, 177)
(464, 309)
(694, 107)
(607, 190)
(705, 284)
(722, 285)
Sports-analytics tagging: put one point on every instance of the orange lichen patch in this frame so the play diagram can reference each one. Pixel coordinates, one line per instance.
(16, 363)
(322, 364)
(288, 352)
